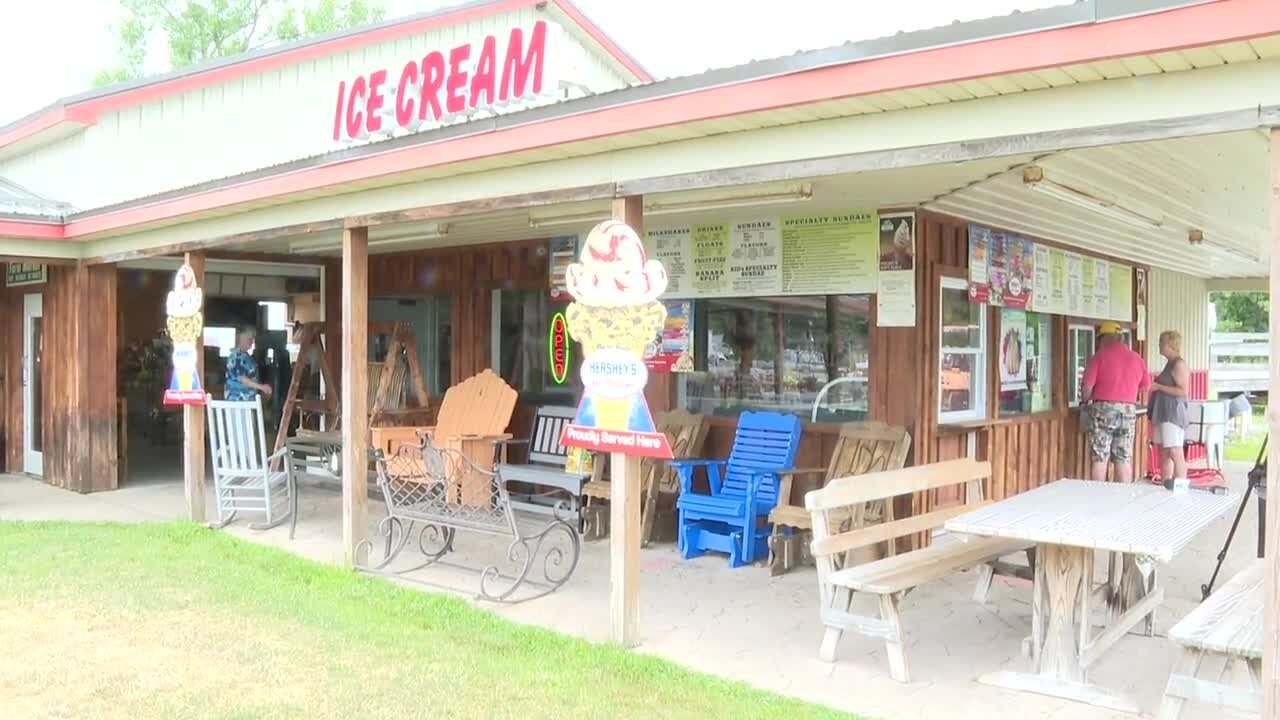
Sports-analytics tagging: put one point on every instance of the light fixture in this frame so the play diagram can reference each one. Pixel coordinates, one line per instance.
(803, 194)
(436, 232)
(1195, 237)
(1033, 177)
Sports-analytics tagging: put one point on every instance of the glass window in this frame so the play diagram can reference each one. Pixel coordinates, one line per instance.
(429, 318)
(778, 354)
(962, 355)
(1080, 346)
(1026, 340)
(521, 352)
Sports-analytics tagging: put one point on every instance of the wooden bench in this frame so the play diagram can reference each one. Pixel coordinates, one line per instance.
(1228, 625)
(892, 577)
(557, 491)
(861, 447)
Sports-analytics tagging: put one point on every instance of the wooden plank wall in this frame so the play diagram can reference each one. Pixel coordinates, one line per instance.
(79, 391)
(468, 275)
(11, 368)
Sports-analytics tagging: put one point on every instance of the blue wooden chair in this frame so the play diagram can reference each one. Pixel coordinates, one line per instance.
(744, 489)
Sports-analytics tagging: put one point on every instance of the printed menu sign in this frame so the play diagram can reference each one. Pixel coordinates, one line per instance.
(670, 246)
(830, 254)
(710, 259)
(1121, 292)
(824, 255)
(1042, 286)
(755, 258)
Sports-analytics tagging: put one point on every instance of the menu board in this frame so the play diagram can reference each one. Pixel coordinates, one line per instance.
(820, 255)
(670, 246)
(830, 254)
(1056, 281)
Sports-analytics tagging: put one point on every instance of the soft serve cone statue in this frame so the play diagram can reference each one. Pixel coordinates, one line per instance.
(615, 314)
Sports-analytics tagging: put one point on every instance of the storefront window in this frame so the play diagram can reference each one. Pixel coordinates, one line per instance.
(1080, 342)
(778, 353)
(430, 319)
(1026, 362)
(962, 355)
(520, 346)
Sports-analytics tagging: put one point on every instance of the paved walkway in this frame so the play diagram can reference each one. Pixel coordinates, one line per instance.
(744, 625)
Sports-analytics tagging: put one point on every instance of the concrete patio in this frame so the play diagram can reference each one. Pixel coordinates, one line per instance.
(743, 624)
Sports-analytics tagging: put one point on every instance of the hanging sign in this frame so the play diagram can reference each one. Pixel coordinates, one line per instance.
(25, 274)
(186, 328)
(558, 342)
(615, 315)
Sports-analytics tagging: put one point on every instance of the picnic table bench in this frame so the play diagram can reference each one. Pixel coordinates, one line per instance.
(1229, 626)
(892, 577)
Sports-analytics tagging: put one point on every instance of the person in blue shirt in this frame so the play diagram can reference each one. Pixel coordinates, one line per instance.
(242, 372)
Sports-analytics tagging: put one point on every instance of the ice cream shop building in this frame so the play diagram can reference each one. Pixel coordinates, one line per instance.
(922, 230)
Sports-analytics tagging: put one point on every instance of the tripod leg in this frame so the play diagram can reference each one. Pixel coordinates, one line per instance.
(1262, 526)
(1207, 589)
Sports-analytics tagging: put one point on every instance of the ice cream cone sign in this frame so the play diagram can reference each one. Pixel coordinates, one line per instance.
(186, 329)
(614, 315)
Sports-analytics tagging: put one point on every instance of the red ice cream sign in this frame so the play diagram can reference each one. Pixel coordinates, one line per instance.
(441, 84)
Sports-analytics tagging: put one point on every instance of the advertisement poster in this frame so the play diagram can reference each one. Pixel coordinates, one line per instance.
(1140, 296)
(185, 323)
(979, 263)
(1040, 383)
(670, 246)
(755, 258)
(830, 254)
(563, 251)
(710, 259)
(672, 347)
(896, 283)
(1042, 285)
(1013, 350)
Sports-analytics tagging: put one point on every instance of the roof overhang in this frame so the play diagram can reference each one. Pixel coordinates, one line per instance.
(846, 72)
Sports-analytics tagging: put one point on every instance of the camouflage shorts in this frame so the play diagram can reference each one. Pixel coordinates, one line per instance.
(1111, 432)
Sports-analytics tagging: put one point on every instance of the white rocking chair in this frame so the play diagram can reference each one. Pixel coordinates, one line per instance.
(245, 476)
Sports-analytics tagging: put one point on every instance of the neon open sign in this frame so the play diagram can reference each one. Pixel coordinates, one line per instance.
(558, 343)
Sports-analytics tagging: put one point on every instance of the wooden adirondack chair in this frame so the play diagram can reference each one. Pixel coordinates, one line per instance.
(744, 489)
(473, 418)
(862, 447)
(687, 432)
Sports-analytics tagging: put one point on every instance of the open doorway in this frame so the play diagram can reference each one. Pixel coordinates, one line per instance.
(265, 296)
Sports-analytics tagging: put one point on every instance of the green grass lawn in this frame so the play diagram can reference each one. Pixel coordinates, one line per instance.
(1246, 449)
(176, 621)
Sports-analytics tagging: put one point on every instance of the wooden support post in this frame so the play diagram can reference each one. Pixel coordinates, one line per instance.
(624, 550)
(624, 504)
(193, 417)
(355, 397)
(1271, 608)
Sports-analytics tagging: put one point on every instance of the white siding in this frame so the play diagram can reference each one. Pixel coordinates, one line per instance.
(264, 119)
(1178, 302)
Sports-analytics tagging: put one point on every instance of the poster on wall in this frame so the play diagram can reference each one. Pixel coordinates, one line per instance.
(979, 262)
(1140, 299)
(671, 349)
(1121, 286)
(755, 258)
(710, 259)
(562, 250)
(185, 324)
(670, 246)
(830, 254)
(1013, 350)
(1042, 285)
(896, 280)
(1058, 282)
(1001, 268)
(823, 255)
(1088, 306)
(1075, 284)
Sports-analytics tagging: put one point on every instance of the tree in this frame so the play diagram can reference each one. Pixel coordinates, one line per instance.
(199, 30)
(1241, 311)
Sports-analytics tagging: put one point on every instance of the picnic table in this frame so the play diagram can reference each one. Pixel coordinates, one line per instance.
(1069, 521)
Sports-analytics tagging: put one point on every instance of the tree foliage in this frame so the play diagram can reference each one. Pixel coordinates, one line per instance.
(1241, 311)
(194, 31)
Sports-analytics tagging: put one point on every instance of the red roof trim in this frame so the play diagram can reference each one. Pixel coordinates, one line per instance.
(87, 111)
(32, 230)
(1188, 27)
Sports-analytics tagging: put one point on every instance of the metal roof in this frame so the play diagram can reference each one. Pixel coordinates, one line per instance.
(18, 202)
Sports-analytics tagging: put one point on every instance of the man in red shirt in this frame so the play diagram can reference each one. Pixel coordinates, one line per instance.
(1115, 381)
